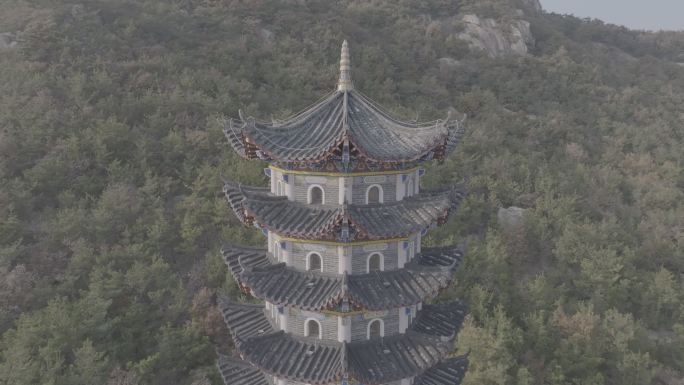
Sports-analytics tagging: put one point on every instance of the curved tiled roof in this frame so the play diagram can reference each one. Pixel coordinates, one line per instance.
(318, 132)
(299, 359)
(237, 372)
(396, 288)
(373, 221)
(419, 280)
(440, 320)
(286, 286)
(238, 256)
(317, 361)
(394, 358)
(448, 372)
(244, 321)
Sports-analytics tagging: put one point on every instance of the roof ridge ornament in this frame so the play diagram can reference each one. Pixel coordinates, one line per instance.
(345, 82)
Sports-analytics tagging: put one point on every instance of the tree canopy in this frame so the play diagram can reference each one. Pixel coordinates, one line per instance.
(111, 159)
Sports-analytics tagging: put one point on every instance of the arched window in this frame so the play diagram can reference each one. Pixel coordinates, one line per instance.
(316, 195)
(314, 262)
(409, 188)
(280, 188)
(376, 262)
(313, 329)
(376, 328)
(374, 194)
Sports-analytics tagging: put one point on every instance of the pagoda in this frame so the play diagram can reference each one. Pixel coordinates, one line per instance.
(344, 280)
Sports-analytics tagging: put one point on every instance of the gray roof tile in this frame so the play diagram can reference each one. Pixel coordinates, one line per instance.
(316, 133)
(423, 278)
(448, 372)
(394, 358)
(373, 221)
(237, 372)
(296, 358)
(440, 320)
(244, 321)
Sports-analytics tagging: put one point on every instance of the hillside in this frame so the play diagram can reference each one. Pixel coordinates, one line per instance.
(111, 158)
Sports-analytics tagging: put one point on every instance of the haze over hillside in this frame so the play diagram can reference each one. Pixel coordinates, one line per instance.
(653, 15)
(111, 214)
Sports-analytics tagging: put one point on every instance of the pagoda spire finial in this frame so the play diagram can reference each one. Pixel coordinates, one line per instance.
(345, 82)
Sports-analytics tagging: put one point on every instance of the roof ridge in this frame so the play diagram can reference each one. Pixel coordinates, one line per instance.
(230, 246)
(225, 302)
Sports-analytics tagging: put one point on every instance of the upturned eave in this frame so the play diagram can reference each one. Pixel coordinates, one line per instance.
(258, 274)
(257, 206)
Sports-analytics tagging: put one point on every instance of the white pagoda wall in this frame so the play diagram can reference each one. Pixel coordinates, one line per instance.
(330, 187)
(395, 254)
(359, 326)
(329, 254)
(297, 319)
(337, 189)
(293, 320)
(389, 251)
(362, 183)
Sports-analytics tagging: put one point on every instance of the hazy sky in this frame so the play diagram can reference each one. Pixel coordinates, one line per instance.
(636, 14)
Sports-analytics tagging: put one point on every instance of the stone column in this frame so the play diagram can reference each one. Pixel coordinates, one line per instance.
(343, 329)
(289, 188)
(344, 255)
(400, 187)
(402, 254)
(283, 320)
(342, 190)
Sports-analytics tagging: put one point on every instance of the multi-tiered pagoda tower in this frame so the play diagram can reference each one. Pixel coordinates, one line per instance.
(344, 280)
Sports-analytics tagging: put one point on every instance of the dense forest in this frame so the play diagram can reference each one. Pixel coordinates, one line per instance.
(111, 157)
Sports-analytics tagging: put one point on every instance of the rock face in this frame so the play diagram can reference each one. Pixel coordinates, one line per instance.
(495, 39)
(534, 5)
(8, 40)
(267, 35)
(669, 377)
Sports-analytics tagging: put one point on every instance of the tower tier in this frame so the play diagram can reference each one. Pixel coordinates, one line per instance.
(341, 223)
(314, 360)
(257, 272)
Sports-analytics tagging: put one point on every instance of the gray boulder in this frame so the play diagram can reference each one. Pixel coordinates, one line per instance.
(511, 218)
(8, 40)
(448, 63)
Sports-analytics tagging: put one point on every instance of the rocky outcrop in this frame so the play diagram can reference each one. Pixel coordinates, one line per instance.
(511, 218)
(8, 40)
(533, 5)
(668, 376)
(267, 35)
(496, 39)
(448, 63)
